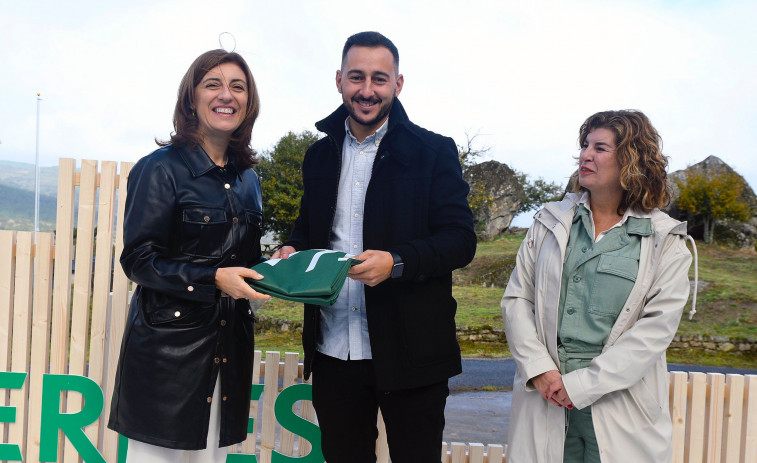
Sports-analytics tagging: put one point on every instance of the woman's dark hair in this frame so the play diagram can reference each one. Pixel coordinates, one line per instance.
(643, 175)
(186, 124)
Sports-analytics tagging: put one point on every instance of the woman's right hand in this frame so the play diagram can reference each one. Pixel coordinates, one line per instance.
(230, 280)
(550, 386)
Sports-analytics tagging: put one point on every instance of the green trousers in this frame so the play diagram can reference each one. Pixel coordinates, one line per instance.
(580, 440)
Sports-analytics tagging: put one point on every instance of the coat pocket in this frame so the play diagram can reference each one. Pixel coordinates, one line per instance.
(165, 311)
(203, 231)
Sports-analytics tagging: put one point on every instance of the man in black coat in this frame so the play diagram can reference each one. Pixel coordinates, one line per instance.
(391, 192)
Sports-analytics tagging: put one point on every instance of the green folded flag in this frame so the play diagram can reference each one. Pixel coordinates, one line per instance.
(315, 276)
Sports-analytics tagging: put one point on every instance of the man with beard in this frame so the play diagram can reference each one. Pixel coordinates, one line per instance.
(392, 193)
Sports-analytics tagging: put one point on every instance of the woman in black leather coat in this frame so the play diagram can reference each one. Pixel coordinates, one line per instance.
(192, 229)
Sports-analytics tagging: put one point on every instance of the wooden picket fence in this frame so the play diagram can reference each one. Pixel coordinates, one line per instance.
(64, 319)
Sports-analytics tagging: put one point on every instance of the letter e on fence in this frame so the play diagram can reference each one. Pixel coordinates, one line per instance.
(70, 423)
(10, 380)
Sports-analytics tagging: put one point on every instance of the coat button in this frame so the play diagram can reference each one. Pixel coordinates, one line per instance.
(206, 219)
(227, 186)
(177, 314)
(224, 398)
(210, 399)
(225, 360)
(217, 360)
(235, 219)
(233, 257)
(190, 288)
(223, 322)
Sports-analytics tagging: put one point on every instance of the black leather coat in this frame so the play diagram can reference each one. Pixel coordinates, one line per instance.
(184, 218)
(415, 205)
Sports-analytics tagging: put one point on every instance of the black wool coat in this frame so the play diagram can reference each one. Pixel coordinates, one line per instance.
(415, 205)
(184, 218)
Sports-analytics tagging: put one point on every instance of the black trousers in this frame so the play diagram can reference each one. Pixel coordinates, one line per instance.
(346, 401)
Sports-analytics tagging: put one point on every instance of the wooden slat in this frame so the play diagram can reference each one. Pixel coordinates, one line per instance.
(101, 286)
(22, 330)
(445, 453)
(696, 417)
(475, 453)
(734, 400)
(249, 446)
(291, 360)
(7, 277)
(495, 453)
(749, 438)
(382, 446)
(268, 430)
(82, 289)
(118, 312)
(714, 440)
(678, 413)
(308, 413)
(40, 353)
(457, 452)
(64, 246)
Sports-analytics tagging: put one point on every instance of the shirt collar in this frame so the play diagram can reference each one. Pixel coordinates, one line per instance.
(639, 222)
(375, 138)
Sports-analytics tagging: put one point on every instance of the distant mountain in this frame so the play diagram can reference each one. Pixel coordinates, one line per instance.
(22, 175)
(17, 196)
(17, 209)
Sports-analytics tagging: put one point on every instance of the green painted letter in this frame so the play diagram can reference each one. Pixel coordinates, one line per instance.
(70, 423)
(303, 428)
(10, 380)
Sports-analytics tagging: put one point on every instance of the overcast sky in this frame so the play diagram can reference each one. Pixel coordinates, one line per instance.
(522, 74)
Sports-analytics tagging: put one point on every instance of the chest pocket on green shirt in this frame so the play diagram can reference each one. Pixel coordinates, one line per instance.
(614, 279)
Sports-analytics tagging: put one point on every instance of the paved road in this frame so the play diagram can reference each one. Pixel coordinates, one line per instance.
(478, 408)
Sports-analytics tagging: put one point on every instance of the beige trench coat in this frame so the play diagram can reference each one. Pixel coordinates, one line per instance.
(626, 385)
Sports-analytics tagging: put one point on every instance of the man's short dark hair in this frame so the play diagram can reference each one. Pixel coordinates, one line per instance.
(371, 39)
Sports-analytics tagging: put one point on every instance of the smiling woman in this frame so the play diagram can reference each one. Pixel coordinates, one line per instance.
(192, 229)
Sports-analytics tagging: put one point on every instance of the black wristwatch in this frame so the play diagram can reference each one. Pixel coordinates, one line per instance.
(398, 266)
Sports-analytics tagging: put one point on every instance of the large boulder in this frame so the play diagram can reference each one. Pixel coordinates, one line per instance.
(739, 235)
(497, 196)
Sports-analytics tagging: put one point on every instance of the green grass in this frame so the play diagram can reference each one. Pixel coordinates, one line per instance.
(726, 305)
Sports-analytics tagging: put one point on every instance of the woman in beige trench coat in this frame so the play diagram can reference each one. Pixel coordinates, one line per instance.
(619, 187)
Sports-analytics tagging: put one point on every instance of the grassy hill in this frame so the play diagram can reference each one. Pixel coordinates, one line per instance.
(17, 209)
(726, 305)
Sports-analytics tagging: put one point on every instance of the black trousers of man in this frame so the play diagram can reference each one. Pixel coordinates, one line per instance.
(346, 401)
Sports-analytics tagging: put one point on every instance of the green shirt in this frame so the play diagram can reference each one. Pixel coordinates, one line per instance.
(597, 278)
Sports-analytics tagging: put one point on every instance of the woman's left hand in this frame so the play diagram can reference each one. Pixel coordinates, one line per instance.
(230, 280)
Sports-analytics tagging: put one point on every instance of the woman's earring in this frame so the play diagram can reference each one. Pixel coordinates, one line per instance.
(194, 114)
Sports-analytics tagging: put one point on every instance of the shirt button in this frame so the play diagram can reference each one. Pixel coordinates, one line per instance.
(571, 310)
(227, 186)
(233, 257)
(584, 249)
(217, 360)
(567, 340)
(354, 246)
(357, 183)
(235, 220)
(210, 399)
(361, 152)
(177, 314)
(223, 322)
(576, 278)
(357, 215)
(206, 219)
(354, 309)
(190, 288)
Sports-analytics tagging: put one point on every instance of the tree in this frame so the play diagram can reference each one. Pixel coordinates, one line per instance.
(467, 154)
(713, 197)
(538, 192)
(280, 171)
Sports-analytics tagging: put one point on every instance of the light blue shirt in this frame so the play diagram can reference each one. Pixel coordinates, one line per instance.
(344, 326)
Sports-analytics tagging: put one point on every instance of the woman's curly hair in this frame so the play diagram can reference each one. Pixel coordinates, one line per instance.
(643, 175)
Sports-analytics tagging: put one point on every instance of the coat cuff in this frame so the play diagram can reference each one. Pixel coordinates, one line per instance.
(535, 368)
(577, 393)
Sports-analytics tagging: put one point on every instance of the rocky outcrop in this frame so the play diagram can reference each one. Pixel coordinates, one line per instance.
(735, 235)
(496, 195)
